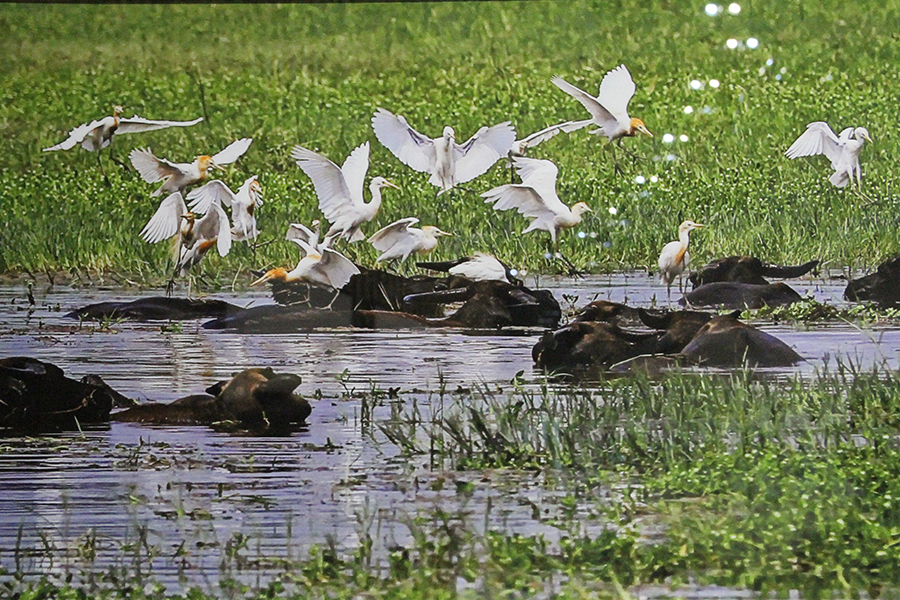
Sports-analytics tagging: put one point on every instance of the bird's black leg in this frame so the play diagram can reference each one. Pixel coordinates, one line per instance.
(114, 159)
(102, 170)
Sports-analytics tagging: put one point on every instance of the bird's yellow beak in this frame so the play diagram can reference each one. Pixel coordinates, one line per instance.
(264, 278)
(214, 165)
(389, 184)
(643, 129)
(439, 232)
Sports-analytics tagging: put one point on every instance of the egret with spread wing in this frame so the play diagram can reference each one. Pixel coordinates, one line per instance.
(195, 236)
(321, 265)
(243, 205)
(177, 176)
(299, 231)
(448, 163)
(609, 109)
(674, 258)
(340, 190)
(98, 134)
(398, 240)
(843, 151)
(479, 267)
(520, 147)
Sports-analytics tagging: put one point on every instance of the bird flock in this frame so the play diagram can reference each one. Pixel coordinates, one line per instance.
(196, 221)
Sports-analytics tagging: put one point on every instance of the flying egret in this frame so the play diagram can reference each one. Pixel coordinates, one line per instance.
(843, 151)
(194, 236)
(98, 134)
(178, 176)
(321, 265)
(243, 205)
(609, 110)
(398, 240)
(674, 258)
(520, 147)
(340, 189)
(479, 267)
(536, 198)
(448, 163)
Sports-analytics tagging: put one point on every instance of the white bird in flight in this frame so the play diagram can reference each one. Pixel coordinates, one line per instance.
(340, 189)
(674, 258)
(98, 134)
(448, 163)
(843, 151)
(177, 176)
(398, 240)
(195, 237)
(320, 265)
(243, 205)
(536, 198)
(299, 231)
(609, 110)
(520, 147)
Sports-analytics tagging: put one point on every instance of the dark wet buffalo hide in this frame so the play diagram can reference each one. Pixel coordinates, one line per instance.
(254, 398)
(37, 396)
(733, 295)
(746, 269)
(157, 308)
(881, 287)
(589, 343)
(727, 342)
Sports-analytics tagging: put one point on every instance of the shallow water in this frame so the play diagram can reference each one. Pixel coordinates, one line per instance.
(176, 499)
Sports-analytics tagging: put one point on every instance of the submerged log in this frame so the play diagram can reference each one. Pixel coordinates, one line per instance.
(746, 269)
(157, 308)
(733, 295)
(881, 287)
(37, 396)
(254, 398)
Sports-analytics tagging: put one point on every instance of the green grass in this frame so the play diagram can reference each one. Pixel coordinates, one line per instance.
(314, 74)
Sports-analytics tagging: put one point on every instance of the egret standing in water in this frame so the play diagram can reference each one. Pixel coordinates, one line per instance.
(448, 163)
(674, 258)
(843, 151)
(195, 237)
(321, 265)
(177, 176)
(609, 110)
(340, 190)
(536, 199)
(243, 205)
(96, 135)
(398, 240)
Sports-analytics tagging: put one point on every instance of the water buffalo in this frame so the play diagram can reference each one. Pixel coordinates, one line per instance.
(746, 269)
(155, 308)
(881, 287)
(254, 398)
(734, 295)
(727, 342)
(37, 396)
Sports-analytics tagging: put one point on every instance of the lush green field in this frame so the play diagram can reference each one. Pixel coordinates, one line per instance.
(314, 74)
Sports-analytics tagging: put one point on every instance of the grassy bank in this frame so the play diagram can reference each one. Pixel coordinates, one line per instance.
(314, 74)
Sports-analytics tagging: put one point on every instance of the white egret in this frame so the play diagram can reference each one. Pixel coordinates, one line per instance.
(299, 231)
(609, 110)
(340, 189)
(448, 163)
(482, 267)
(98, 134)
(243, 205)
(194, 236)
(398, 240)
(177, 176)
(674, 258)
(843, 151)
(321, 265)
(536, 198)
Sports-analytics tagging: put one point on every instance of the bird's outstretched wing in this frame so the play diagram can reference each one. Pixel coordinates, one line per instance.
(482, 150)
(203, 197)
(151, 168)
(76, 136)
(536, 196)
(328, 180)
(136, 124)
(166, 221)
(616, 91)
(386, 237)
(299, 231)
(336, 267)
(539, 137)
(232, 151)
(601, 115)
(215, 225)
(817, 139)
(411, 147)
